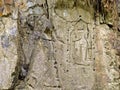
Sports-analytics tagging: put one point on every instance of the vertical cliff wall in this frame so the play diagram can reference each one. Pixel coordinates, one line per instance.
(59, 45)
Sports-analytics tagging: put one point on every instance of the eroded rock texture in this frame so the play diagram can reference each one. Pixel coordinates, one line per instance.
(59, 45)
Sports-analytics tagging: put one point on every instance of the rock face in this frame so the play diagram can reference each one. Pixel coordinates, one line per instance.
(59, 45)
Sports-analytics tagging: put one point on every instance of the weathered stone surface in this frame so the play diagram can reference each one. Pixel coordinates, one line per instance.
(8, 1)
(8, 52)
(59, 45)
(104, 57)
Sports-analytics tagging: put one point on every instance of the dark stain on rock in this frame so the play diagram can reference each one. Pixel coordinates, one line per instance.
(5, 41)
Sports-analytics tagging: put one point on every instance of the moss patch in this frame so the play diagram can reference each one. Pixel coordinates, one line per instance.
(70, 4)
(63, 4)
